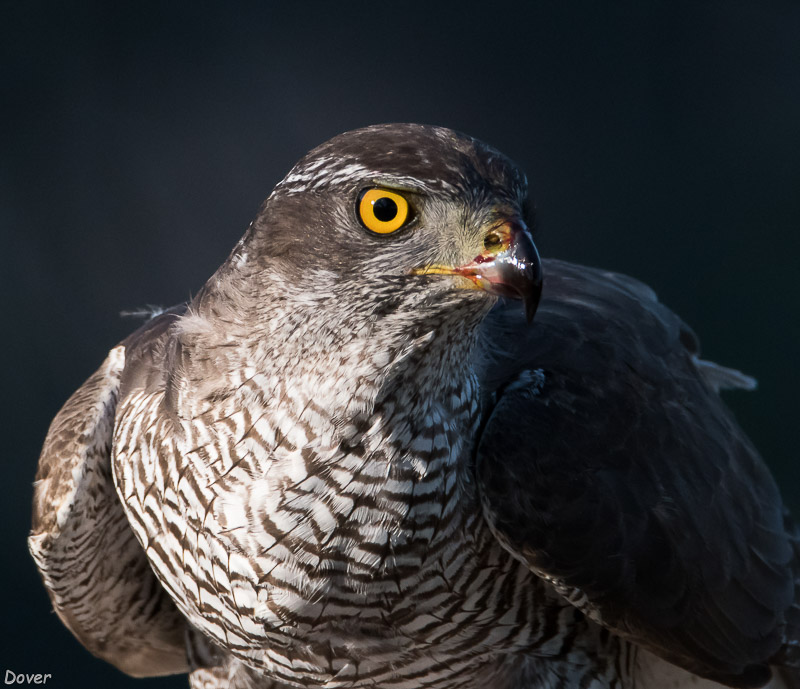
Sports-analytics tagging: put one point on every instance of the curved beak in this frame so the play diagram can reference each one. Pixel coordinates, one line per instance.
(510, 266)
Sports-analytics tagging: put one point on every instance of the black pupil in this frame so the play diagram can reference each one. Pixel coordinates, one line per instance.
(385, 209)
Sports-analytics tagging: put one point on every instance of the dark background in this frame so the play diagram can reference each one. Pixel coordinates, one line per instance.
(661, 139)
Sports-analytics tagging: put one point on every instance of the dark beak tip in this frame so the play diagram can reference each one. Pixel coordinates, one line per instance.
(533, 295)
(533, 289)
(531, 304)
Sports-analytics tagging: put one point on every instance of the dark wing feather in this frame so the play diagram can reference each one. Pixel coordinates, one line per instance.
(610, 466)
(96, 573)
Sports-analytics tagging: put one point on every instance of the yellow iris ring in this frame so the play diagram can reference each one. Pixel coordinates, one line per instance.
(366, 211)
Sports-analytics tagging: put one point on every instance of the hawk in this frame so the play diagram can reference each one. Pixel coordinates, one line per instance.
(361, 456)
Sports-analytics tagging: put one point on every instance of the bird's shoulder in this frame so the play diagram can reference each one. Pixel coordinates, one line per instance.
(96, 573)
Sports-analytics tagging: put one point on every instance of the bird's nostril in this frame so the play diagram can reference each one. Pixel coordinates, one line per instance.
(492, 241)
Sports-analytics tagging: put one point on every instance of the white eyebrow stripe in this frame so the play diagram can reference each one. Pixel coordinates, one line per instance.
(310, 178)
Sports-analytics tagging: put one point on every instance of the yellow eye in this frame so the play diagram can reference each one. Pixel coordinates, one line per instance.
(382, 211)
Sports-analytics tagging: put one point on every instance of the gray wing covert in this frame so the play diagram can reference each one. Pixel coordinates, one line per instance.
(611, 467)
(96, 573)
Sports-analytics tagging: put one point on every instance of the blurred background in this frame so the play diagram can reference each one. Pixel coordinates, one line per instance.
(661, 139)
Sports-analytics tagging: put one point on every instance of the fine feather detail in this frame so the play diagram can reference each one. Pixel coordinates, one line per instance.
(722, 377)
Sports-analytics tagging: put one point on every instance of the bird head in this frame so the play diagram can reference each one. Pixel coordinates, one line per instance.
(412, 220)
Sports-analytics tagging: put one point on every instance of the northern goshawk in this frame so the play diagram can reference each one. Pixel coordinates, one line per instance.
(352, 460)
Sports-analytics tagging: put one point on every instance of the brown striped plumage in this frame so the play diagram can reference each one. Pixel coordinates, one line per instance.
(323, 459)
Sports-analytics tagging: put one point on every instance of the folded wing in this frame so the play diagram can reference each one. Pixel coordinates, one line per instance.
(609, 465)
(96, 573)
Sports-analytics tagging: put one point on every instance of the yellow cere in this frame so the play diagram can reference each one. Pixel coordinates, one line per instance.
(383, 211)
